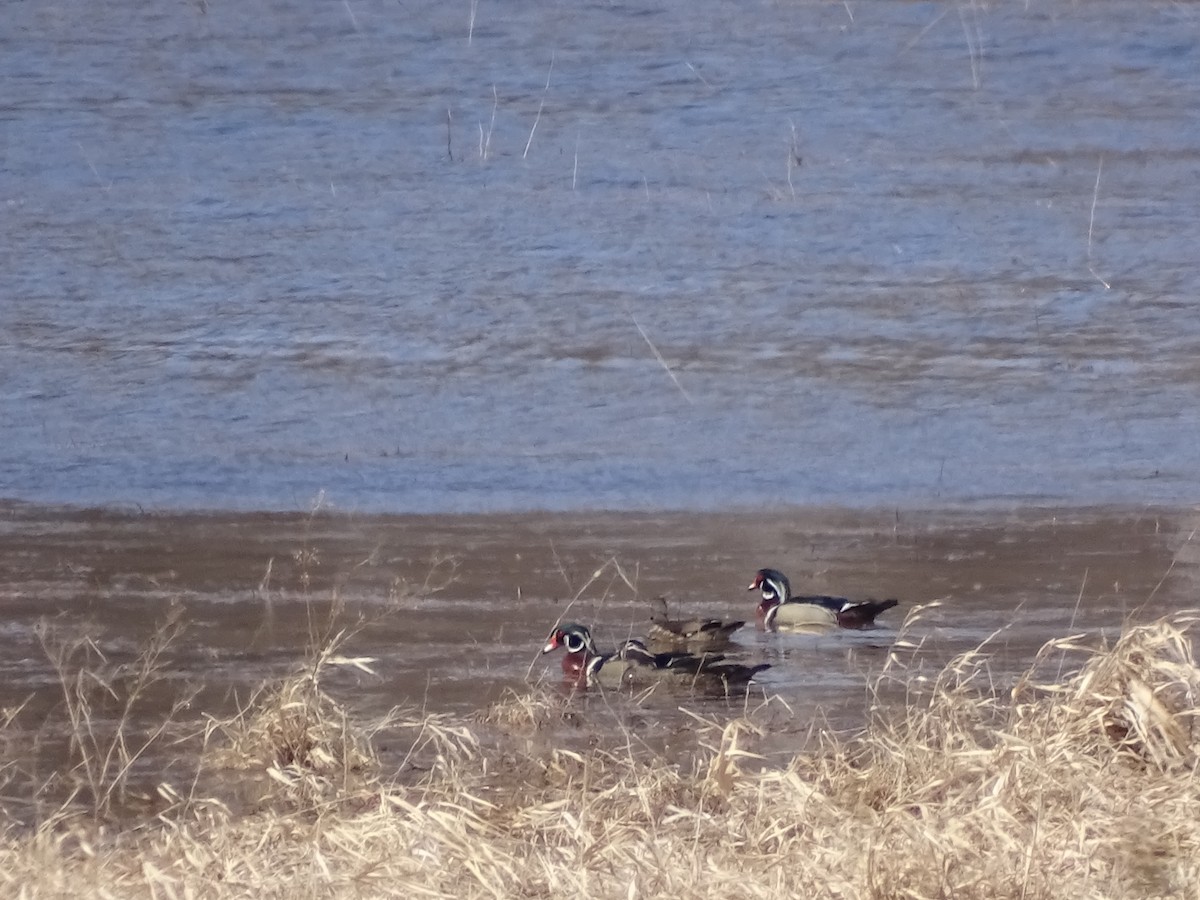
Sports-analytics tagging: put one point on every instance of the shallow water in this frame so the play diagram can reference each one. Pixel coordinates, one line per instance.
(693, 256)
(450, 612)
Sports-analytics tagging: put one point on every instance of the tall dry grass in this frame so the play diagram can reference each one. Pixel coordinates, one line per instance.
(105, 703)
(1083, 785)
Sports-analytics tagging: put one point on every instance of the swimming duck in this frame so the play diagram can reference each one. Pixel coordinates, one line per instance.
(583, 664)
(779, 609)
(633, 664)
(709, 669)
(694, 634)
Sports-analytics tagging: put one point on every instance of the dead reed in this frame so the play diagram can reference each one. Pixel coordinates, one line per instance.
(105, 702)
(1080, 785)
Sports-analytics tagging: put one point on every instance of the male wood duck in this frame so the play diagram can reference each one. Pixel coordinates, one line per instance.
(634, 665)
(710, 669)
(779, 609)
(583, 664)
(694, 634)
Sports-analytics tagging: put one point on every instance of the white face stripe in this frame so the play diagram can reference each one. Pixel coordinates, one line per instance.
(781, 588)
(593, 667)
(574, 642)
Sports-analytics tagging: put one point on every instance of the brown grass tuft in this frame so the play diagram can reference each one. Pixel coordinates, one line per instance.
(1080, 786)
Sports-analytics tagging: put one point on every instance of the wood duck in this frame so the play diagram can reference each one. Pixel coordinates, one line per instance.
(583, 664)
(779, 609)
(634, 665)
(704, 669)
(694, 634)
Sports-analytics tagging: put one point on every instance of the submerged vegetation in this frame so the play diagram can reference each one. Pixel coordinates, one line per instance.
(1080, 780)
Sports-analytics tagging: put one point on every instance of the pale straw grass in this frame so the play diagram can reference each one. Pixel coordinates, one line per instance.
(1079, 786)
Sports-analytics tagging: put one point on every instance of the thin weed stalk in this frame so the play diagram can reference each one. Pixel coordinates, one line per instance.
(103, 702)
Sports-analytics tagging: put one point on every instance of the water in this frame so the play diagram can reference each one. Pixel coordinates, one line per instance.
(450, 612)
(446, 267)
(564, 256)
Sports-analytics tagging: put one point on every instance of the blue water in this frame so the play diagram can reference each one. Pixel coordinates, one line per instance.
(687, 255)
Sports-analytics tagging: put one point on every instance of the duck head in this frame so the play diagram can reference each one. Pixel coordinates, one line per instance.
(775, 589)
(636, 651)
(577, 641)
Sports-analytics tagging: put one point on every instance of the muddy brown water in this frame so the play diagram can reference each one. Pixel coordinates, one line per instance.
(454, 609)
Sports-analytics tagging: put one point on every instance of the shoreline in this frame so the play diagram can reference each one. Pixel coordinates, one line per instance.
(966, 512)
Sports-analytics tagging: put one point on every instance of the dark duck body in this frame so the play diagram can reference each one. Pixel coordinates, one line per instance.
(693, 634)
(711, 669)
(779, 609)
(634, 665)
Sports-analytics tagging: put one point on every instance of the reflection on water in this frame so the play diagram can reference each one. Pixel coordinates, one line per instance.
(890, 254)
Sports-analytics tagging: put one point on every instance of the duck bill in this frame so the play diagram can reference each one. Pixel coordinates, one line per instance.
(551, 644)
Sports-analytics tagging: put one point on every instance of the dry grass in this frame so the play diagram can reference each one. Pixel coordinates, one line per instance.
(1083, 785)
(104, 701)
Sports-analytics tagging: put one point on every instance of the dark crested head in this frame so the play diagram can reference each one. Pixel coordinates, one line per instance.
(658, 607)
(635, 650)
(773, 584)
(576, 638)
